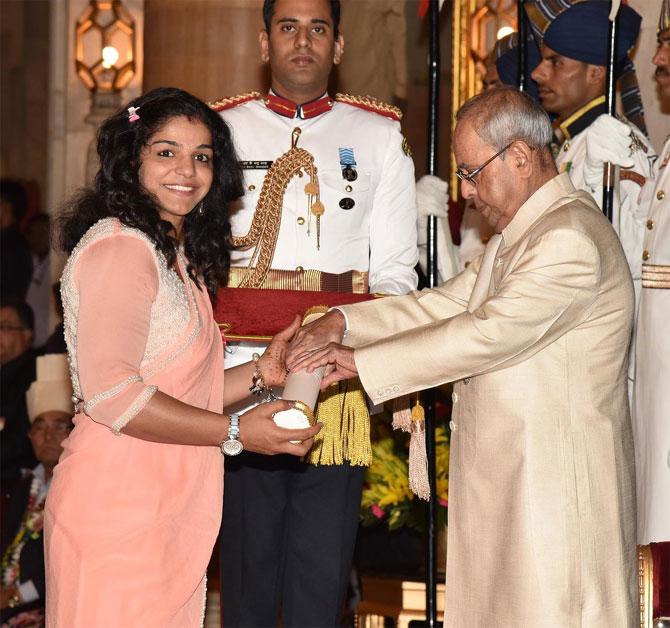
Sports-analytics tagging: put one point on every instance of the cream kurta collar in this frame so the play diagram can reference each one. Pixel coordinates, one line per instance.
(540, 202)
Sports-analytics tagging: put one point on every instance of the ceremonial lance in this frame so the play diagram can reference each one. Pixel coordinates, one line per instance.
(522, 80)
(431, 263)
(610, 100)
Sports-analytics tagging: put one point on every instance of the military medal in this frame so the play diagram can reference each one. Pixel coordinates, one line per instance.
(348, 164)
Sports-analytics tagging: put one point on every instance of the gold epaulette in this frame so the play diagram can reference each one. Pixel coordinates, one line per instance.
(233, 101)
(371, 104)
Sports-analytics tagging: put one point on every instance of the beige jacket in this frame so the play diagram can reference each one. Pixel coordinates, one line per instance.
(541, 493)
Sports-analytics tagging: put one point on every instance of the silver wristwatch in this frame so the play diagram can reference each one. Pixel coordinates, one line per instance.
(233, 446)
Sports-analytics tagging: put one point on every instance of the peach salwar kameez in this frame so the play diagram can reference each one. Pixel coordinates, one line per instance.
(130, 524)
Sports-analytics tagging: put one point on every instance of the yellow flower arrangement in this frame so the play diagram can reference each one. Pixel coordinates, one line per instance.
(386, 495)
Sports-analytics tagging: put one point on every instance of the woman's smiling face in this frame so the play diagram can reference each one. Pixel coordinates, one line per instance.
(176, 167)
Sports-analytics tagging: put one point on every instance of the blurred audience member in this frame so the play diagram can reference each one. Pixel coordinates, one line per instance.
(16, 266)
(39, 291)
(49, 402)
(17, 371)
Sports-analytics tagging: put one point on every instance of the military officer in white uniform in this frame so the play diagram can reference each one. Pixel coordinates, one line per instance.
(289, 528)
(651, 402)
(651, 414)
(366, 187)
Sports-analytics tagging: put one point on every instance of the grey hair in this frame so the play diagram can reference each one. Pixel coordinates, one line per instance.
(504, 114)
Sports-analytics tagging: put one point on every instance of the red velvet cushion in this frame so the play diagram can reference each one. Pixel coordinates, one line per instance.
(258, 314)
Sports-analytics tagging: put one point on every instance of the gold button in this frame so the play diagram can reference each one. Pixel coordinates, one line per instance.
(348, 188)
(300, 269)
(252, 187)
(301, 220)
(650, 224)
(645, 255)
(566, 147)
(660, 195)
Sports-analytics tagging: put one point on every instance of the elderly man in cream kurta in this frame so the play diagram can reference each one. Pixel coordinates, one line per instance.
(534, 334)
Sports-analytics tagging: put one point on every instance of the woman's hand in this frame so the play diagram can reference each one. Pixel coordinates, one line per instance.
(272, 364)
(260, 434)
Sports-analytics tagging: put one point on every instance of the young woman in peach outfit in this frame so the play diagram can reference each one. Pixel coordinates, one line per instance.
(134, 508)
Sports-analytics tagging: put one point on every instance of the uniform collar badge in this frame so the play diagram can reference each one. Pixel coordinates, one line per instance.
(289, 109)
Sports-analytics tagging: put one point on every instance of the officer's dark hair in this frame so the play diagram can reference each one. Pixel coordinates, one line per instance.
(269, 11)
(22, 309)
(117, 191)
(14, 193)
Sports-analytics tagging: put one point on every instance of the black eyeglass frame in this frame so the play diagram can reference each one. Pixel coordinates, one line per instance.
(464, 175)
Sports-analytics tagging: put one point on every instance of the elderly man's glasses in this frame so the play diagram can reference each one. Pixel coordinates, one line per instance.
(464, 175)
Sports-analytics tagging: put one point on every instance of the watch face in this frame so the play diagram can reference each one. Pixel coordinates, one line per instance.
(232, 447)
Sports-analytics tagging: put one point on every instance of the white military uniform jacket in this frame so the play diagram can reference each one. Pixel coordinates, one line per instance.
(376, 235)
(541, 475)
(651, 424)
(628, 217)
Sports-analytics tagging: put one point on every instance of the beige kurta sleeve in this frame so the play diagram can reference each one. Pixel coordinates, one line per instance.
(423, 343)
(368, 321)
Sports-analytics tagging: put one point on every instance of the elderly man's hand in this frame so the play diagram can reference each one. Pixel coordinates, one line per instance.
(329, 328)
(431, 196)
(607, 140)
(338, 360)
(260, 434)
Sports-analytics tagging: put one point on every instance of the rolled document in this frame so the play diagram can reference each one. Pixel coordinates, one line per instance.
(303, 388)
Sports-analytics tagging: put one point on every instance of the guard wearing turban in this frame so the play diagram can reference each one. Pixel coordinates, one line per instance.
(571, 76)
(507, 61)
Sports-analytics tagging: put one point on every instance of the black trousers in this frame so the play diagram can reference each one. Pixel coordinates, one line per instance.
(287, 541)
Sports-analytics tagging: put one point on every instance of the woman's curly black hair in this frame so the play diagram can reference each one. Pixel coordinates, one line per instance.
(117, 191)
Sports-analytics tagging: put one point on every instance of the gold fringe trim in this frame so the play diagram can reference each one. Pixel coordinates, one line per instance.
(371, 104)
(345, 435)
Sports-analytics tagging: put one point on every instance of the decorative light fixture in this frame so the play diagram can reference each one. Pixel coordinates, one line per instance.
(105, 46)
(105, 62)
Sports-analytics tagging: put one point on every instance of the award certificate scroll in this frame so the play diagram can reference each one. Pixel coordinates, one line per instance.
(303, 388)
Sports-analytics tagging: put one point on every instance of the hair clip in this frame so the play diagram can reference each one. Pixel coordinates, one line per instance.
(132, 114)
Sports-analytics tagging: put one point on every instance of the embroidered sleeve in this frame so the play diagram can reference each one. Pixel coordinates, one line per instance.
(117, 280)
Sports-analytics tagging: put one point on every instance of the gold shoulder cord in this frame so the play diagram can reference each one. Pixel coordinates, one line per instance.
(226, 103)
(368, 102)
(264, 229)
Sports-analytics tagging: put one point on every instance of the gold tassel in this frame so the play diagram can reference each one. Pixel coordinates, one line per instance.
(345, 435)
(418, 458)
